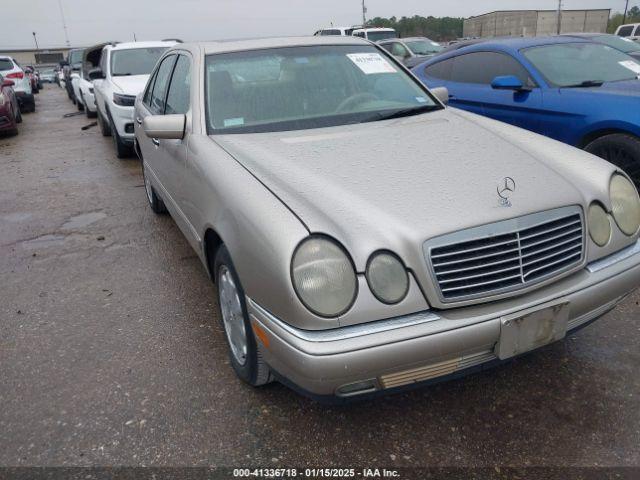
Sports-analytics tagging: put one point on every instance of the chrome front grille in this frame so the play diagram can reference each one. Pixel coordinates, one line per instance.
(506, 256)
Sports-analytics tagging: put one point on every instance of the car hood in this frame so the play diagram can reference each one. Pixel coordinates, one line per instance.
(395, 184)
(130, 84)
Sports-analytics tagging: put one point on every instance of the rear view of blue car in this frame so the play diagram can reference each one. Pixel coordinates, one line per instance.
(579, 92)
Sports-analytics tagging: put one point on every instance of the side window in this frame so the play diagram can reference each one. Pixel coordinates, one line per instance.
(398, 50)
(637, 34)
(483, 67)
(147, 94)
(440, 70)
(387, 46)
(159, 91)
(626, 31)
(178, 96)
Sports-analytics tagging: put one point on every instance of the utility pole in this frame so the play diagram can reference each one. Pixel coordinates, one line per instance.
(559, 16)
(626, 10)
(364, 14)
(64, 24)
(35, 39)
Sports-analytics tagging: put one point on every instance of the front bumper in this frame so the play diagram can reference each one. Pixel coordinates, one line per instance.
(405, 351)
(122, 118)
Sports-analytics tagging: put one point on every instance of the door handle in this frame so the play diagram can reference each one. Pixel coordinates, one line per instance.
(139, 120)
(156, 142)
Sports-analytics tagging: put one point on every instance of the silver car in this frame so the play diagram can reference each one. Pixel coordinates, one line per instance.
(362, 236)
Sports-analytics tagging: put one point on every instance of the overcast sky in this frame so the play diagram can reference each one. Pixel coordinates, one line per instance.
(91, 21)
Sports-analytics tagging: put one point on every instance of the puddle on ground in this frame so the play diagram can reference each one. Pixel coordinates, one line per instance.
(44, 241)
(16, 217)
(83, 220)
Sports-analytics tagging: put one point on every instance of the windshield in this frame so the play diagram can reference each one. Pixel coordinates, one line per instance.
(377, 36)
(135, 61)
(307, 87)
(625, 45)
(423, 47)
(573, 64)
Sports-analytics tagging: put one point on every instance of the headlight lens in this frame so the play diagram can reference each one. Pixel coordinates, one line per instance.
(124, 100)
(323, 277)
(387, 277)
(625, 204)
(599, 225)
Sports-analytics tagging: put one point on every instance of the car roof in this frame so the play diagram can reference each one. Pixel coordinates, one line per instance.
(403, 39)
(277, 42)
(151, 44)
(517, 43)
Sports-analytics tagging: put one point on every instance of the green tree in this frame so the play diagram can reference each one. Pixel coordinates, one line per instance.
(617, 19)
(436, 28)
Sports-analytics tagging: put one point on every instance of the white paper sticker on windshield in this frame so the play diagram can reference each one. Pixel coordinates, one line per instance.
(631, 65)
(371, 63)
(233, 122)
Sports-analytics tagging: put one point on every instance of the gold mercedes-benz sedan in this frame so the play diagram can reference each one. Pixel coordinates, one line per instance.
(362, 236)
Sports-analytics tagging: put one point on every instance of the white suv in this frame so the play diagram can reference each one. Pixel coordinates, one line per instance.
(630, 31)
(123, 73)
(11, 70)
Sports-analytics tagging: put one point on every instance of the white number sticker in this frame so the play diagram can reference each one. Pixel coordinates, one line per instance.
(371, 63)
(631, 65)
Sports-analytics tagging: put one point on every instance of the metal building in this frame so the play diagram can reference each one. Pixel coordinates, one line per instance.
(532, 23)
(29, 56)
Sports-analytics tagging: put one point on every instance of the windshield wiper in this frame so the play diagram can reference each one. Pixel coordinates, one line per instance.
(586, 84)
(406, 112)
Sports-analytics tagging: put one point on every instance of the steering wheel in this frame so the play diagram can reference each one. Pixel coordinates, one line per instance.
(350, 102)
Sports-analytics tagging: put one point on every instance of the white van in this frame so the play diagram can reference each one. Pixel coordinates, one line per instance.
(630, 31)
(336, 31)
(375, 34)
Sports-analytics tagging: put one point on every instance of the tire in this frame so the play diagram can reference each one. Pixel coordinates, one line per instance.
(105, 129)
(620, 149)
(254, 370)
(122, 149)
(155, 202)
(80, 106)
(18, 114)
(89, 113)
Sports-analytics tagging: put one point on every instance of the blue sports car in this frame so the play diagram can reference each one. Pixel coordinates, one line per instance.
(582, 93)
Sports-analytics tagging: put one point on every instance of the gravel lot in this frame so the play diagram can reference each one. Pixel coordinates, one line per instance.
(111, 352)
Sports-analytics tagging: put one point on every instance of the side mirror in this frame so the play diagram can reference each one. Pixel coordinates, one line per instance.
(441, 93)
(170, 127)
(96, 74)
(507, 82)
(7, 83)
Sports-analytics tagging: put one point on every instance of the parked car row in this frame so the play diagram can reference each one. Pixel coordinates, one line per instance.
(103, 80)
(17, 88)
(362, 236)
(579, 89)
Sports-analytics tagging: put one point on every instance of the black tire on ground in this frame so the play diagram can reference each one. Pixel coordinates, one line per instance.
(122, 149)
(620, 149)
(155, 202)
(18, 114)
(28, 106)
(89, 113)
(105, 129)
(255, 370)
(80, 106)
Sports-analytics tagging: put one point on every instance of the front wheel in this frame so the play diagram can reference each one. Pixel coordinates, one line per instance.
(155, 202)
(105, 129)
(620, 149)
(244, 353)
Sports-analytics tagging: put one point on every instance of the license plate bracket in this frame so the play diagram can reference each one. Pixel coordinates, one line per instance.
(531, 329)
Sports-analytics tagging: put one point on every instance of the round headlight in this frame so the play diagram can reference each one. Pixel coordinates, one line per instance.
(625, 204)
(323, 277)
(387, 277)
(599, 225)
